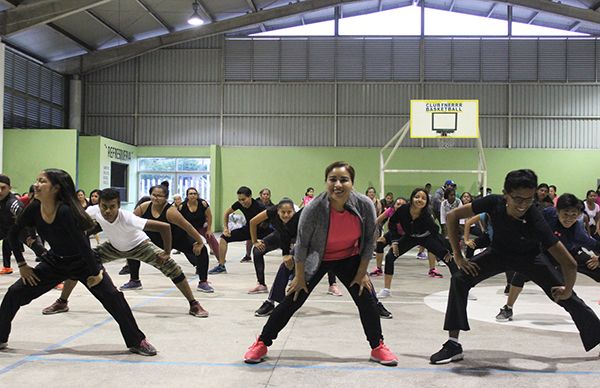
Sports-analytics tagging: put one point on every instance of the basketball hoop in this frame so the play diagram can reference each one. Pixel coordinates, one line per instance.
(446, 142)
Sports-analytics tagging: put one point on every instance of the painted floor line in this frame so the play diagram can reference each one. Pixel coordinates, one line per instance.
(80, 334)
(432, 369)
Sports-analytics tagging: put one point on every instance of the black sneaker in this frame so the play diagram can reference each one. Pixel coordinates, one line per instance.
(451, 351)
(505, 314)
(145, 348)
(124, 270)
(383, 312)
(264, 310)
(507, 289)
(246, 259)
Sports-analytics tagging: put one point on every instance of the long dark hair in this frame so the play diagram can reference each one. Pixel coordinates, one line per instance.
(425, 210)
(66, 194)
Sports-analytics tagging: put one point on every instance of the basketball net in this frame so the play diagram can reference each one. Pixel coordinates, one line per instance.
(446, 142)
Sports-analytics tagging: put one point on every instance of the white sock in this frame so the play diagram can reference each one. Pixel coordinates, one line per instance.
(455, 340)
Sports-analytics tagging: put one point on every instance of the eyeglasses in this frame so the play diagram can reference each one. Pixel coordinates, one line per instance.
(521, 200)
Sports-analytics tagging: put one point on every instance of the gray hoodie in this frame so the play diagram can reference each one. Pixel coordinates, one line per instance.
(314, 226)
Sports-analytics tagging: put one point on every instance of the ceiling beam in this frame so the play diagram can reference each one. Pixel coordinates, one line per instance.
(532, 18)
(595, 6)
(155, 15)
(253, 8)
(99, 59)
(42, 12)
(72, 37)
(583, 15)
(492, 9)
(380, 5)
(203, 9)
(109, 26)
(452, 4)
(574, 26)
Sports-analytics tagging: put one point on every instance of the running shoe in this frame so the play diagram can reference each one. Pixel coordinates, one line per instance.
(197, 310)
(246, 259)
(265, 309)
(334, 290)
(383, 355)
(218, 269)
(205, 287)
(145, 348)
(507, 289)
(59, 286)
(505, 314)
(259, 289)
(422, 256)
(59, 306)
(434, 273)
(376, 272)
(256, 352)
(383, 312)
(451, 351)
(384, 293)
(6, 271)
(131, 285)
(124, 270)
(442, 263)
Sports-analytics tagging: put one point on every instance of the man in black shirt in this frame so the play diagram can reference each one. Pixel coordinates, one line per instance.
(519, 230)
(250, 208)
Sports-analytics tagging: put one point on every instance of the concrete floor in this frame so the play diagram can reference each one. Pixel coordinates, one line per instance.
(323, 345)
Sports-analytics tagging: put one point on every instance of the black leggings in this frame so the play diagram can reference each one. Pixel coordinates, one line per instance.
(185, 246)
(519, 280)
(52, 271)
(435, 243)
(346, 271)
(540, 270)
(389, 237)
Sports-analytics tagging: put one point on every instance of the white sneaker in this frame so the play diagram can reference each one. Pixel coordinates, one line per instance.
(442, 263)
(472, 296)
(384, 293)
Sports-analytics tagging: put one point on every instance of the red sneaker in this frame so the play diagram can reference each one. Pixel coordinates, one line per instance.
(6, 271)
(383, 355)
(376, 272)
(256, 352)
(434, 273)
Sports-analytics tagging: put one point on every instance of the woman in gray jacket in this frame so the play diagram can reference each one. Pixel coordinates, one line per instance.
(335, 232)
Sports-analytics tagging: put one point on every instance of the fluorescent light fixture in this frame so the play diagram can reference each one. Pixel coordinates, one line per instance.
(195, 19)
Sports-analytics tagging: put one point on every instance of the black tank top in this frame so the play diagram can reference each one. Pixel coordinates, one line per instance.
(197, 218)
(177, 234)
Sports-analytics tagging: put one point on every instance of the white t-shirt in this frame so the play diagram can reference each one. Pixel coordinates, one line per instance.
(446, 207)
(125, 233)
(591, 213)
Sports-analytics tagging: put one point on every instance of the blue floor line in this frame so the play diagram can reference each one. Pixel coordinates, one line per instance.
(80, 334)
(432, 369)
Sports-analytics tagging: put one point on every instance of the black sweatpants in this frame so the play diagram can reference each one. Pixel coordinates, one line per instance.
(184, 245)
(53, 270)
(272, 242)
(540, 270)
(435, 244)
(345, 270)
(518, 280)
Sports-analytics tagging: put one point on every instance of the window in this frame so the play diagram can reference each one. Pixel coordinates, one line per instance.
(33, 95)
(181, 173)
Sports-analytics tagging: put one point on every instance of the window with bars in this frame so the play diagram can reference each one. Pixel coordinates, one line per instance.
(34, 96)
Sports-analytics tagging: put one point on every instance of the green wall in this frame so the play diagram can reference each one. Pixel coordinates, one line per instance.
(28, 151)
(288, 171)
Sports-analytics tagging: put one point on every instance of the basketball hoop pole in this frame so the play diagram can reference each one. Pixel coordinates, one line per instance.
(481, 170)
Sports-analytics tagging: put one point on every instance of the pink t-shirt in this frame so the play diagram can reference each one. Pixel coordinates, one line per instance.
(343, 236)
(388, 213)
(306, 200)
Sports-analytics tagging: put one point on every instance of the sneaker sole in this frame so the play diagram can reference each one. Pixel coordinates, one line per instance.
(331, 293)
(258, 292)
(200, 315)
(254, 361)
(146, 354)
(216, 273)
(458, 357)
(503, 319)
(386, 316)
(205, 291)
(55, 311)
(385, 363)
(262, 315)
(131, 289)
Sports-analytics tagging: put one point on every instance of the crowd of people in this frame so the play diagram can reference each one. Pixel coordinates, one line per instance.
(528, 232)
